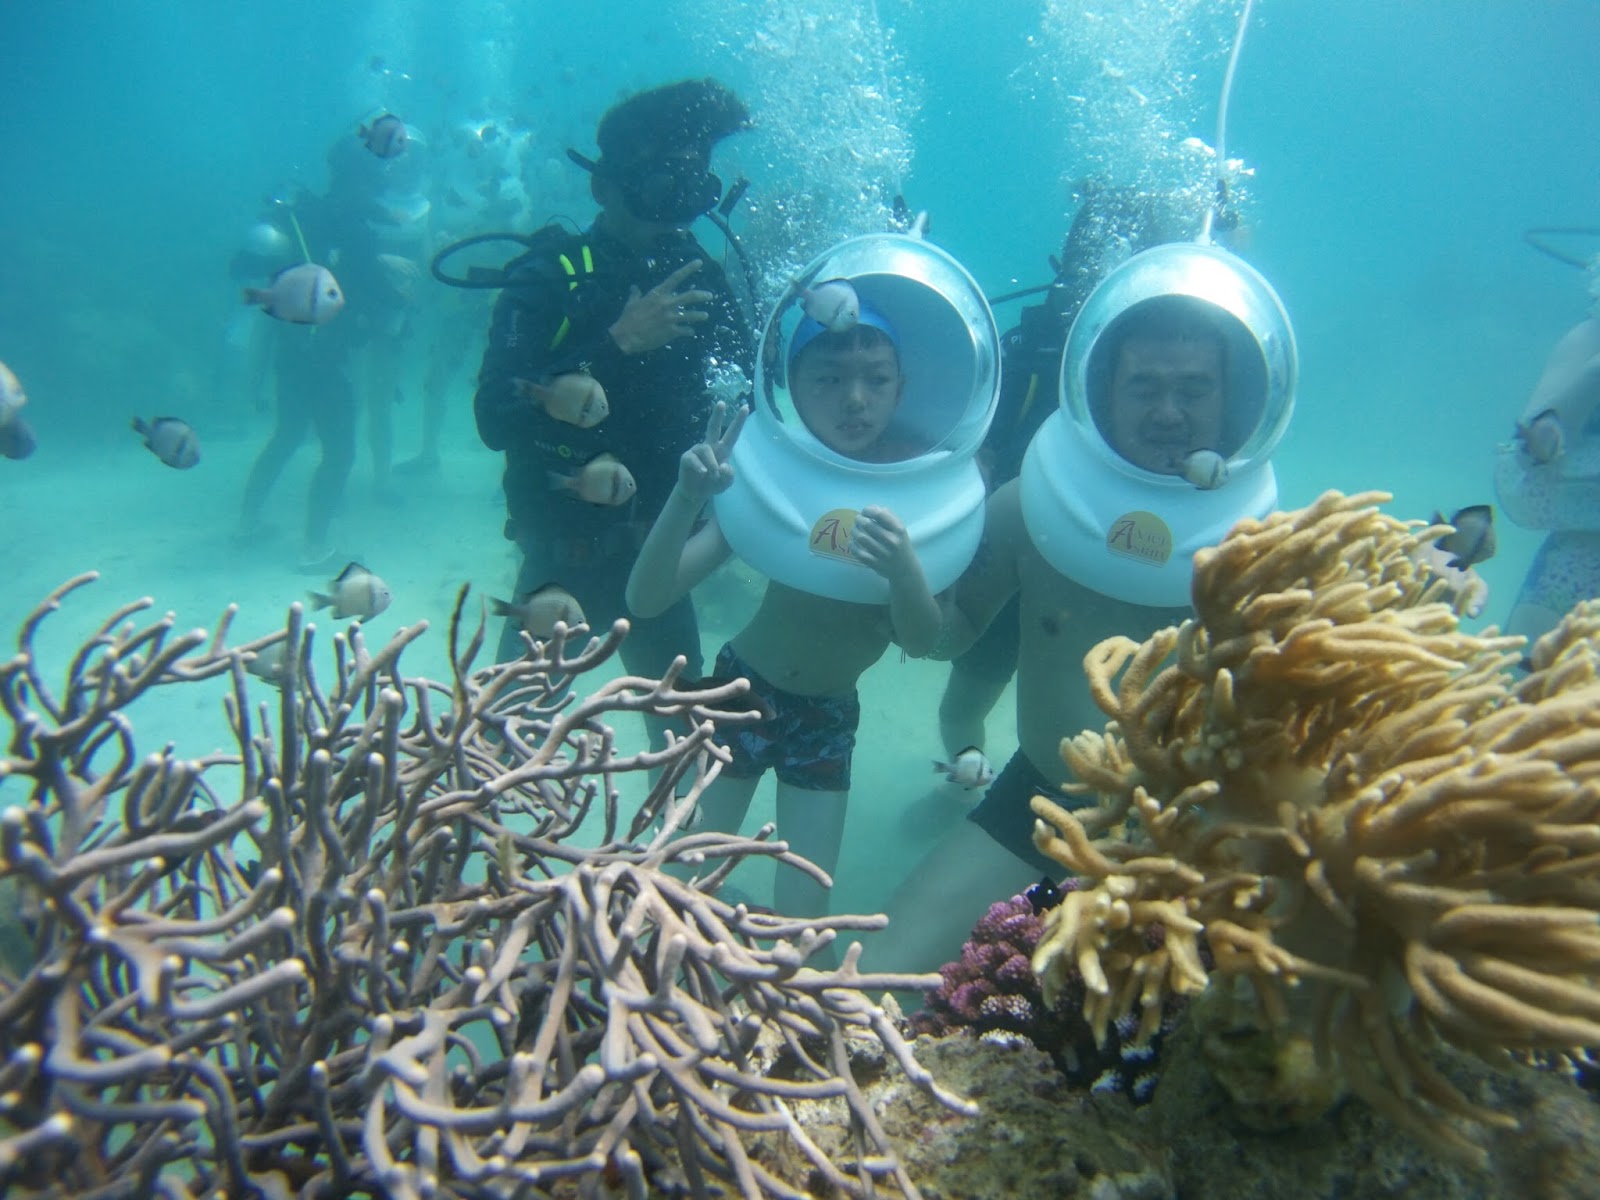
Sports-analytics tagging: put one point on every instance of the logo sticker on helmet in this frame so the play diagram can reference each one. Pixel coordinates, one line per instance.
(1141, 536)
(830, 536)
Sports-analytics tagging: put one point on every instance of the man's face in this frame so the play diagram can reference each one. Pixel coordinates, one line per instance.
(1166, 401)
(847, 396)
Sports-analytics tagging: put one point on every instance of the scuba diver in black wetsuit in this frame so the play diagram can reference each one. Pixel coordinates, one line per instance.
(636, 303)
(1111, 224)
(322, 374)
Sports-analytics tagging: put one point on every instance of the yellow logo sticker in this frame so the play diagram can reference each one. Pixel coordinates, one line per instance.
(1142, 536)
(830, 536)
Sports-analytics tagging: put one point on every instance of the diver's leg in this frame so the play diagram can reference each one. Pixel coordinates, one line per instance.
(382, 395)
(977, 680)
(534, 572)
(721, 807)
(988, 857)
(452, 344)
(334, 415)
(932, 912)
(812, 822)
(290, 426)
(725, 803)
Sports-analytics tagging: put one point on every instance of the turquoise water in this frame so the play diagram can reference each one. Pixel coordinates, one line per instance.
(1398, 152)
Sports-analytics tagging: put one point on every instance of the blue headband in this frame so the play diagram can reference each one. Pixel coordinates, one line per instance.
(810, 327)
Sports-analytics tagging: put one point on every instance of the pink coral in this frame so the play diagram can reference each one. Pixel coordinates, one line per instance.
(992, 988)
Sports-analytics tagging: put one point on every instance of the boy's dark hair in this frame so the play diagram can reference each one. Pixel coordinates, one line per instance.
(691, 114)
(860, 336)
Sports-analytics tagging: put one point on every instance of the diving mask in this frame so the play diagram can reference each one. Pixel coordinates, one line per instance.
(671, 191)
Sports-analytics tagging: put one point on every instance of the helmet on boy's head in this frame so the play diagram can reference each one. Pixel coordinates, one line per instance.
(656, 147)
(791, 509)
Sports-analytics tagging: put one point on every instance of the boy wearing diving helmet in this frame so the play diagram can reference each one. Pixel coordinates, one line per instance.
(803, 653)
(638, 306)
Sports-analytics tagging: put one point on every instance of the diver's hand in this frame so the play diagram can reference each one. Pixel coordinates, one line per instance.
(880, 541)
(704, 470)
(1465, 590)
(651, 319)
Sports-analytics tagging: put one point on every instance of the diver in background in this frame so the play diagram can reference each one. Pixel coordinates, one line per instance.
(322, 371)
(1111, 224)
(637, 304)
(1548, 477)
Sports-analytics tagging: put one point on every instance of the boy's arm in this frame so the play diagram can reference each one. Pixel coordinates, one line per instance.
(675, 555)
(992, 577)
(881, 542)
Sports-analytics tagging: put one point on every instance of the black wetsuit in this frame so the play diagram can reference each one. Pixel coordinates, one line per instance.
(554, 316)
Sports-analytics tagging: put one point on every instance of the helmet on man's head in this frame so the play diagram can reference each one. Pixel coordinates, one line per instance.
(656, 148)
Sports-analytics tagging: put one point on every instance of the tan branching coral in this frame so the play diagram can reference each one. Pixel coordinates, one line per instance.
(1352, 803)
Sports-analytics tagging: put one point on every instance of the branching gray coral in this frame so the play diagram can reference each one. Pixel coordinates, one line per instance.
(365, 955)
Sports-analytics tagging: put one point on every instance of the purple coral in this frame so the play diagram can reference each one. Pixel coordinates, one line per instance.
(992, 988)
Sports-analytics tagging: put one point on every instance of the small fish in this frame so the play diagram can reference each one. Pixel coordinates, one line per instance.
(539, 613)
(505, 856)
(302, 295)
(171, 440)
(833, 305)
(267, 664)
(971, 768)
(575, 398)
(357, 592)
(386, 137)
(1542, 439)
(16, 435)
(1045, 895)
(1206, 469)
(603, 480)
(1473, 539)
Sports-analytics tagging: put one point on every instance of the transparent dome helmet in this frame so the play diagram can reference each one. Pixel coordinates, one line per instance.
(1119, 498)
(790, 511)
(945, 338)
(1192, 292)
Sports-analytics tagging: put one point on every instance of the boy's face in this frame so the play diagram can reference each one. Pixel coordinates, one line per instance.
(847, 397)
(1166, 401)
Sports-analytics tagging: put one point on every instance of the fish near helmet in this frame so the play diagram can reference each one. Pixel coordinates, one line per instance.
(867, 316)
(655, 148)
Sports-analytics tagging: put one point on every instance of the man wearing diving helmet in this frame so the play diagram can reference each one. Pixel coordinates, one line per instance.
(636, 304)
(1157, 395)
